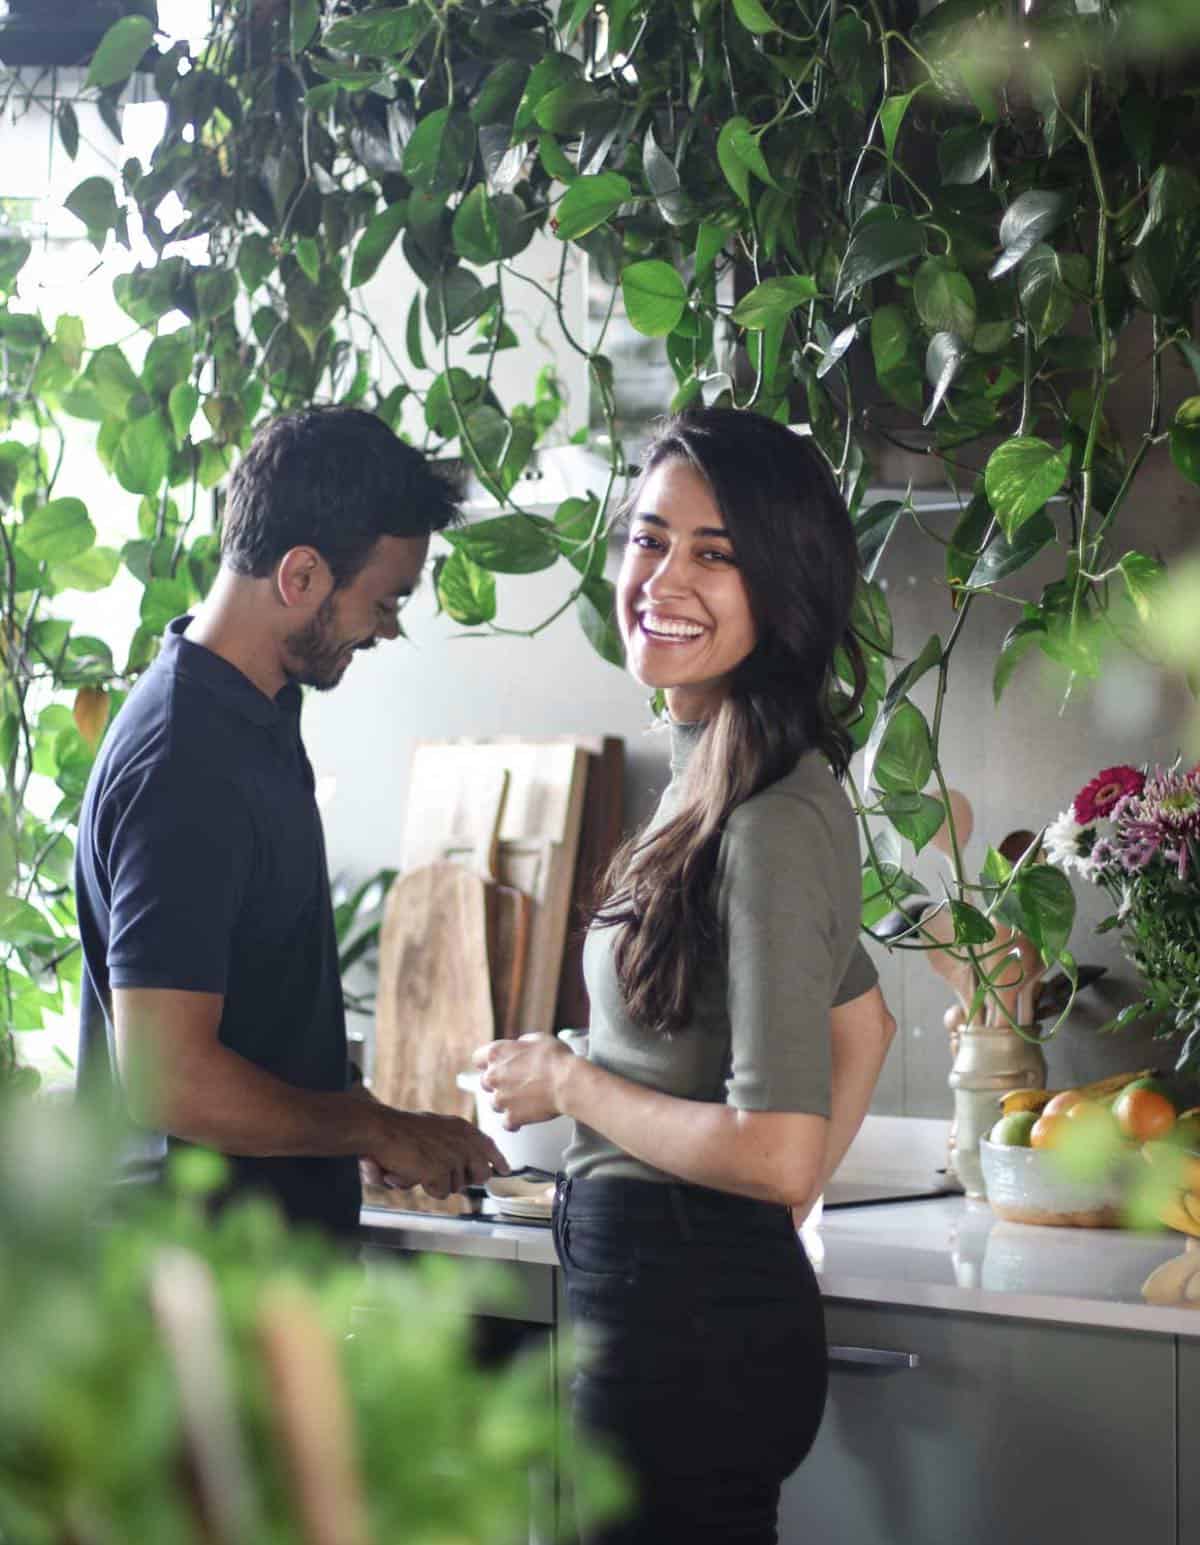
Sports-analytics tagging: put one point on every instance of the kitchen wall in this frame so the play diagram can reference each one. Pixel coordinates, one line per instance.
(1020, 763)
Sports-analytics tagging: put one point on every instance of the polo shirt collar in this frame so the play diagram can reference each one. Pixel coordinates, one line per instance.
(199, 664)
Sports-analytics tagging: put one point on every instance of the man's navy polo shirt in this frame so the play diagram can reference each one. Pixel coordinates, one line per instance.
(201, 867)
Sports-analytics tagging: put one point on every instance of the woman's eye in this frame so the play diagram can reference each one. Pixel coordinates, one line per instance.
(645, 540)
(720, 557)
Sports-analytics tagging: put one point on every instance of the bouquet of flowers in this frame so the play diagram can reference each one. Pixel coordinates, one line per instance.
(1136, 833)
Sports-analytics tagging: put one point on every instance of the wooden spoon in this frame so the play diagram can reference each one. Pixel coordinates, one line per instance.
(963, 816)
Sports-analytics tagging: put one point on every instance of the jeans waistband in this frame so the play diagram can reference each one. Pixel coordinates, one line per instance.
(650, 1201)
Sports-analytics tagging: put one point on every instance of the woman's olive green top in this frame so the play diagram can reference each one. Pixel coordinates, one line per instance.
(788, 905)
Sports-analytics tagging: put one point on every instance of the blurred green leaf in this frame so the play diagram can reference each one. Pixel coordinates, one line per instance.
(119, 51)
(596, 609)
(508, 544)
(1185, 439)
(163, 601)
(57, 531)
(944, 298)
(143, 456)
(754, 16)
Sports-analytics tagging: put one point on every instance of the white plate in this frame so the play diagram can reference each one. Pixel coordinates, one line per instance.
(528, 1213)
(520, 1198)
(515, 1188)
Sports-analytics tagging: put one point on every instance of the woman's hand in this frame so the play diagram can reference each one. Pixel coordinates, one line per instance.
(524, 1078)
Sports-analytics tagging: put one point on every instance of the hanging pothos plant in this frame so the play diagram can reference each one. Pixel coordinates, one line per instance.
(928, 230)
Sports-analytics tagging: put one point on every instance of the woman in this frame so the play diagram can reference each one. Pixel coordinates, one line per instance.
(715, 1097)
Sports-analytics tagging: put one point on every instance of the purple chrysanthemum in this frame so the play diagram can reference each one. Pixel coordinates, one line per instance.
(1164, 818)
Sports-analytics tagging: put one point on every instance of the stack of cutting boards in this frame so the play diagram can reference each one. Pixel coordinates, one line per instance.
(481, 935)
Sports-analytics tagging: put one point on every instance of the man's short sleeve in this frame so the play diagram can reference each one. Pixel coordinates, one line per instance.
(179, 852)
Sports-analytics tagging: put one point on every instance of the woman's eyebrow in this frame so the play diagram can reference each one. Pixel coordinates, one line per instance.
(706, 531)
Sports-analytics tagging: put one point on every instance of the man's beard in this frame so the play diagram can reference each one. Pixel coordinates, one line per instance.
(318, 658)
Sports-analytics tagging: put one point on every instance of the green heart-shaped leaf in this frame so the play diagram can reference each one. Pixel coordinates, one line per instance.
(655, 297)
(56, 531)
(466, 592)
(509, 544)
(1021, 476)
(901, 759)
(588, 202)
(882, 241)
(373, 244)
(773, 300)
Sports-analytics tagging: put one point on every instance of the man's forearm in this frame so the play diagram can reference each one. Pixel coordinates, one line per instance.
(225, 1102)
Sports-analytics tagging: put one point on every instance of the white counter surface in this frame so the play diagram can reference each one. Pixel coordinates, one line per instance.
(943, 1254)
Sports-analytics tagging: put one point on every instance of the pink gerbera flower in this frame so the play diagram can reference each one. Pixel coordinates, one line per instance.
(1097, 798)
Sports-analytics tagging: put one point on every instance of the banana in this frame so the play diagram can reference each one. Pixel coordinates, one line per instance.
(1113, 1084)
(1102, 1091)
(1175, 1281)
(1024, 1099)
(1175, 1214)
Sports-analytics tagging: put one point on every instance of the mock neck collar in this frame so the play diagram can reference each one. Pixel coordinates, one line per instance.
(684, 740)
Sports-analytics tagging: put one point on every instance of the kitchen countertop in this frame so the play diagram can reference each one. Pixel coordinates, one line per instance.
(947, 1253)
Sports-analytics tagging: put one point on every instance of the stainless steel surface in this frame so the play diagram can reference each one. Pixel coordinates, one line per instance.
(857, 1193)
(880, 1358)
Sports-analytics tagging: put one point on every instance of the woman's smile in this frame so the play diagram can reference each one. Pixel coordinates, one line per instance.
(669, 630)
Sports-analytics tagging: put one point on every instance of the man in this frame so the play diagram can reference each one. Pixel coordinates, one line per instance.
(211, 994)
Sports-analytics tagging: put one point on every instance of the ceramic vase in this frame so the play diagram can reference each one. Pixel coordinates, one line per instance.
(989, 1060)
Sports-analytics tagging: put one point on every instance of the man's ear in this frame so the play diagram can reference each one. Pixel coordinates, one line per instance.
(303, 579)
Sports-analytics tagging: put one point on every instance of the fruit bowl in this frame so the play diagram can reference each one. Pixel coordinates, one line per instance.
(1029, 1185)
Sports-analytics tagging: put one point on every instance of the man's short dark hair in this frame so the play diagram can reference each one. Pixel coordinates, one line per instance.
(336, 479)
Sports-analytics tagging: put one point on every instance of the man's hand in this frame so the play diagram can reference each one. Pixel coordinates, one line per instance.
(441, 1154)
(524, 1077)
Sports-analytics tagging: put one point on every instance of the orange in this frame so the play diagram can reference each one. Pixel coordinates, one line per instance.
(1082, 1109)
(1048, 1130)
(1143, 1114)
(1060, 1103)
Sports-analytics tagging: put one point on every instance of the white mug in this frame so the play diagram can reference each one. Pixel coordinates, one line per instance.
(577, 1040)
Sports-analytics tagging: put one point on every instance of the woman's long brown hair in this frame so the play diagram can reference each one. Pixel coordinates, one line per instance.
(794, 544)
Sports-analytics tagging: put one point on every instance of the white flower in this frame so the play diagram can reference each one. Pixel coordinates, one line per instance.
(1068, 844)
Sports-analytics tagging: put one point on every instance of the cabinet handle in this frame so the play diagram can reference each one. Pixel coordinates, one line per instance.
(872, 1357)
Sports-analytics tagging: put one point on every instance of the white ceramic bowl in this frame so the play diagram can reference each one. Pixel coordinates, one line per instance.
(541, 1146)
(1028, 1185)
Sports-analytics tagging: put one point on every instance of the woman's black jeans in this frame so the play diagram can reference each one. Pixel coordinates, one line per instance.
(702, 1352)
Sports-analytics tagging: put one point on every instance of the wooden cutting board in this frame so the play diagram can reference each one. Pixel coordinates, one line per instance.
(434, 1004)
(539, 838)
(599, 838)
(509, 910)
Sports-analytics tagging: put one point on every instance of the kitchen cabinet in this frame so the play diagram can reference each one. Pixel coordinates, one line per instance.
(1189, 1441)
(1004, 1431)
